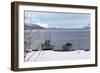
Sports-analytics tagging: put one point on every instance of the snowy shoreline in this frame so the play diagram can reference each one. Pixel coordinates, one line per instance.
(50, 55)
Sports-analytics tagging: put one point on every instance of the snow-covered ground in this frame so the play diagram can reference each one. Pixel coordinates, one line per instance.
(50, 55)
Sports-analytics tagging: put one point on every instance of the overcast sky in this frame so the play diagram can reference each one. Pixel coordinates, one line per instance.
(58, 19)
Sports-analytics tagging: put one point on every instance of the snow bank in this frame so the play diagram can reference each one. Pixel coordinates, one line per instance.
(56, 55)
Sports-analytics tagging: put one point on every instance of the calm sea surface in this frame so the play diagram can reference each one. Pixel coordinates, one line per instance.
(80, 38)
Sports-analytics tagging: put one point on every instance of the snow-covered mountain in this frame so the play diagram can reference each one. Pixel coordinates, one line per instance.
(32, 26)
(46, 26)
(43, 25)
